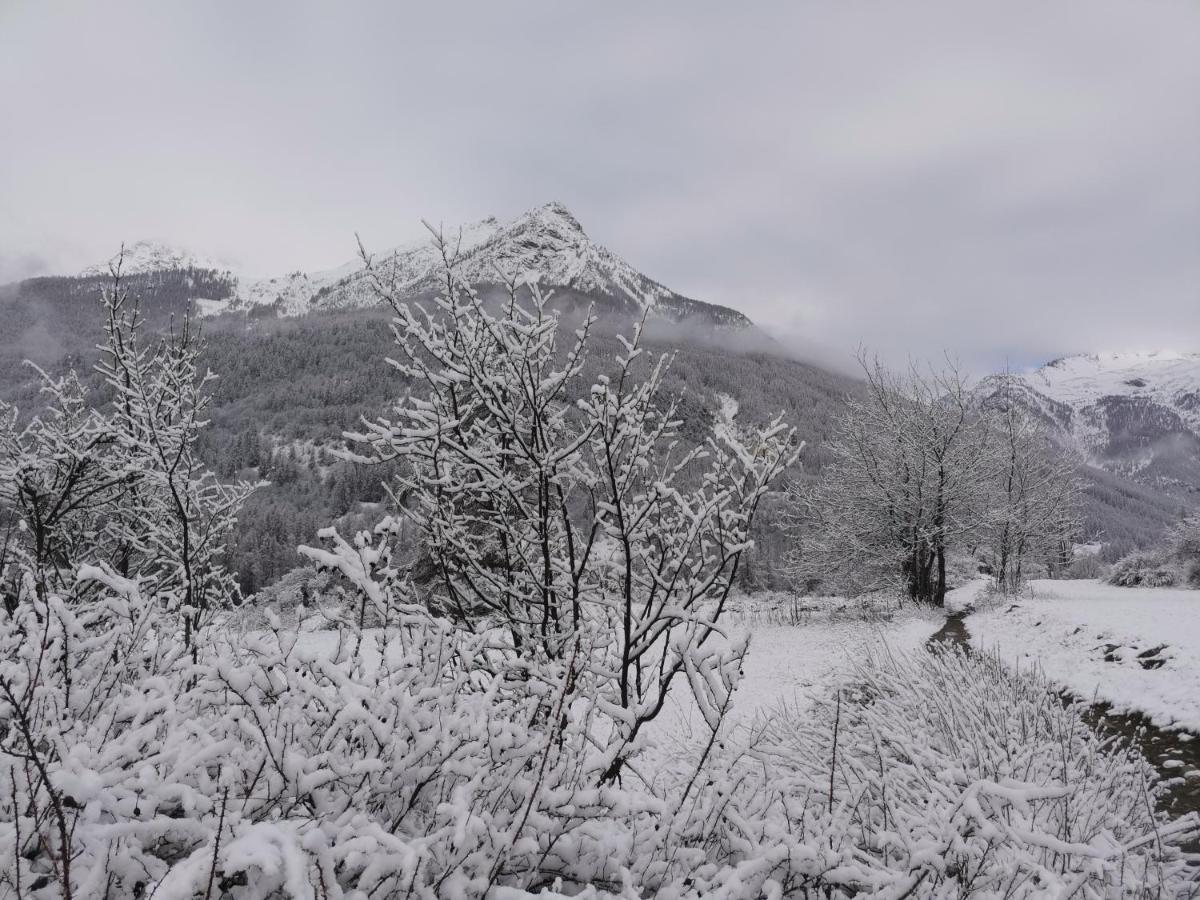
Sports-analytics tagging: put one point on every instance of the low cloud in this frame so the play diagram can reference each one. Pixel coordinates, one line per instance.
(1007, 181)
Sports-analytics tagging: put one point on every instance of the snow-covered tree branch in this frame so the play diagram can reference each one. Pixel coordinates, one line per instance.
(570, 513)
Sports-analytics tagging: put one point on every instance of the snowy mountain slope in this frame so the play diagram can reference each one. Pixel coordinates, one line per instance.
(1167, 379)
(151, 256)
(546, 243)
(412, 265)
(1135, 414)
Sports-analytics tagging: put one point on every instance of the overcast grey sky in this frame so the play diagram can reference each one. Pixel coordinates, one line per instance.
(1008, 179)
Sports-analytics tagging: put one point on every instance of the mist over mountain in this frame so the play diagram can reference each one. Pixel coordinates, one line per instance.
(1133, 421)
(1132, 414)
(300, 358)
(546, 244)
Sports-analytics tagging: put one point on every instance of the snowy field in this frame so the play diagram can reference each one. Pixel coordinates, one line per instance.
(796, 659)
(792, 660)
(1136, 648)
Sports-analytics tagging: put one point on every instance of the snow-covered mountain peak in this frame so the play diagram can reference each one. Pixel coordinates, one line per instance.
(152, 256)
(1076, 380)
(551, 218)
(547, 244)
(1135, 413)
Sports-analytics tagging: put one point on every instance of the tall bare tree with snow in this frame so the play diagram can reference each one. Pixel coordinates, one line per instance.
(572, 514)
(920, 469)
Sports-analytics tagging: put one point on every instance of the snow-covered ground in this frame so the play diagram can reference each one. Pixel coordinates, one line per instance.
(1136, 648)
(788, 664)
(791, 664)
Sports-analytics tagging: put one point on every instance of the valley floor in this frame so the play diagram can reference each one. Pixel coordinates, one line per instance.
(800, 651)
(1137, 649)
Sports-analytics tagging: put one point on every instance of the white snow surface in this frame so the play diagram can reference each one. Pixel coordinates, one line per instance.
(1076, 380)
(791, 665)
(1087, 637)
(546, 244)
(1167, 377)
(153, 256)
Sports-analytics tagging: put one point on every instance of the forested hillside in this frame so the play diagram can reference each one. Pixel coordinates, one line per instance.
(290, 387)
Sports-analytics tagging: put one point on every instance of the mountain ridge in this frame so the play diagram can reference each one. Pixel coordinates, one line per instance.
(146, 256)
(1136, 414)
(545, 244)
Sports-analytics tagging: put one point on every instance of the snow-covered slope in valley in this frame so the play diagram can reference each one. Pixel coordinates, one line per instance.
(1167, 378)
(1136, 414)
(150, 256)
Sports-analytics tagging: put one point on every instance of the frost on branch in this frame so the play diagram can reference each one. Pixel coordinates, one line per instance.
(121, 484)
(570, 515)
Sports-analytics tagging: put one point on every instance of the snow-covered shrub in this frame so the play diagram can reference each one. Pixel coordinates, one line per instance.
(418, 760)
(1142, 569)
(422, 760)
(123, 484)
(1088, 565)
(426, 756)
(948, 775)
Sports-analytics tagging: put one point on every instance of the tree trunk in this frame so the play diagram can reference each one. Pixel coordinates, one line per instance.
(939, 596)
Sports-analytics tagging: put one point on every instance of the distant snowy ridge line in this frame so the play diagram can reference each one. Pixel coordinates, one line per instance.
(142, 257)
(1133, 414)
(546, 244)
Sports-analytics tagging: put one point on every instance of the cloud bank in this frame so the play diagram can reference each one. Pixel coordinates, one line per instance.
(1009, 181)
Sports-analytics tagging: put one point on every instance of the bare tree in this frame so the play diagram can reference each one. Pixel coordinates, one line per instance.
(908, 466)
(122, 485)
(61, 478)
(570, 513)
(1033, 506)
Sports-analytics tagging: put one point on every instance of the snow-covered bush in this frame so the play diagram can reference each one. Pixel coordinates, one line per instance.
(1088, 565)
(1177, 561)
(422, 760)
(419, 759)
(1143, 569)
(122, 484)
(425, 760)
(948, 775)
